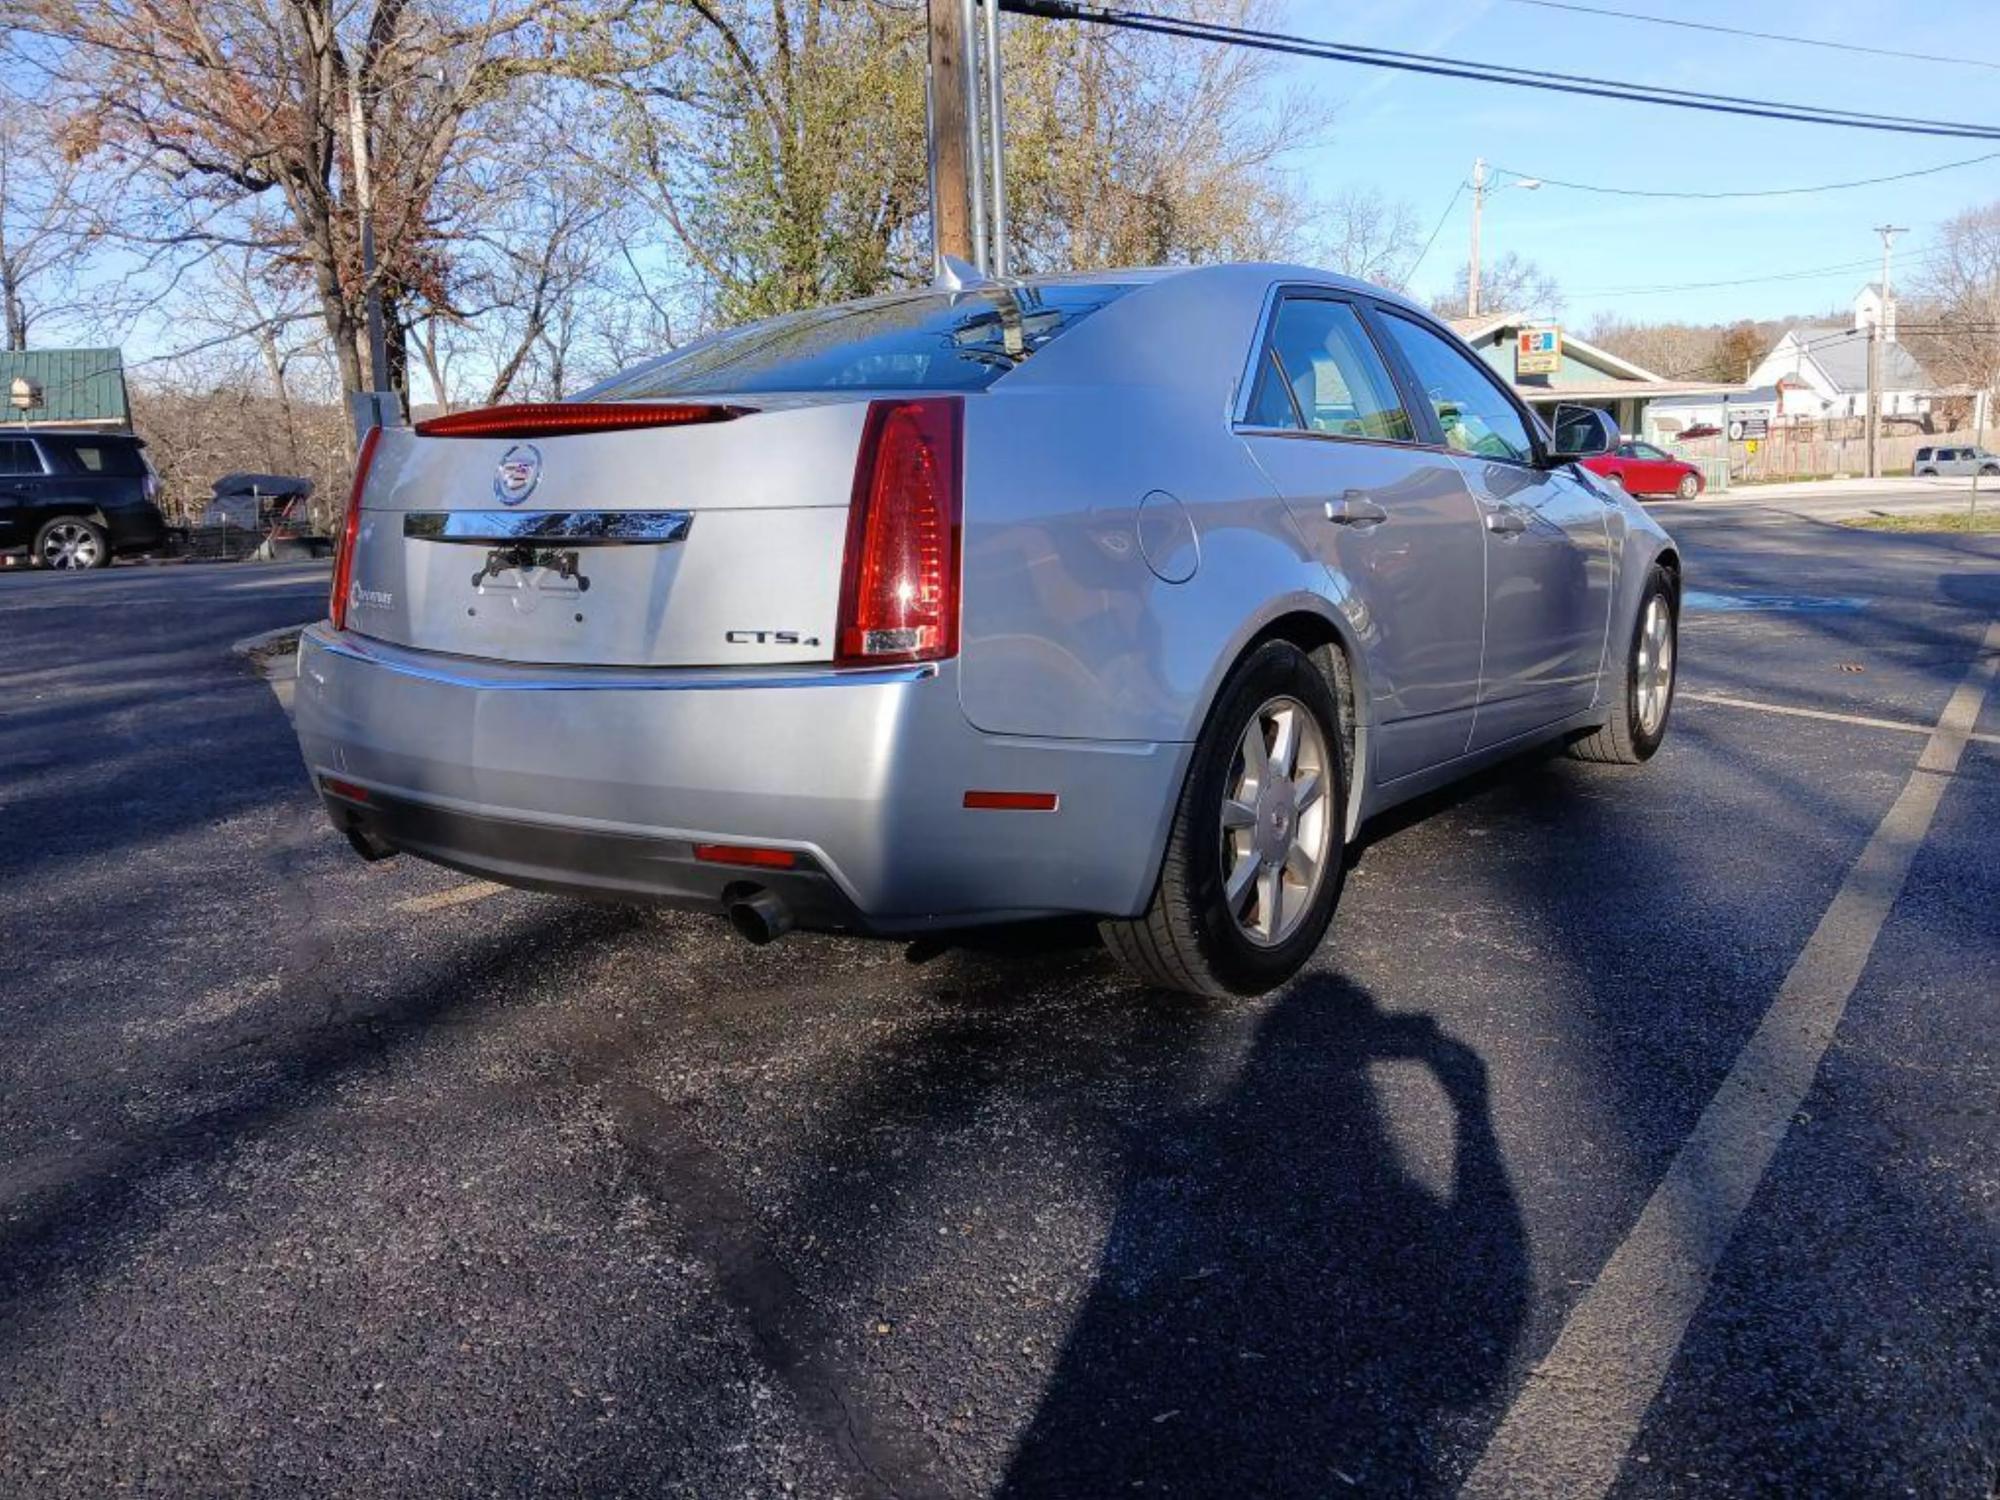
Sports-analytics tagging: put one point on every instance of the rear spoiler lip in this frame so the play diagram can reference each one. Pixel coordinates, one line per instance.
(542, 419)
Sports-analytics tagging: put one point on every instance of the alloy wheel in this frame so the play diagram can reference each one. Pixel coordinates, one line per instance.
(70, 544)
(1653, 665)
(1275, 822)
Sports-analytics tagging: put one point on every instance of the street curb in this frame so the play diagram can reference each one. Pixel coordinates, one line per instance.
(251, 644)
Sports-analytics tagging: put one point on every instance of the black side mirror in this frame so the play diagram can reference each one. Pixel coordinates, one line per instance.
(1582, 432)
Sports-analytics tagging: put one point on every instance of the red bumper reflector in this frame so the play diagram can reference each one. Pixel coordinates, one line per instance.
(1013, 801)
(532, 419)
(335, 787)
(746, 854)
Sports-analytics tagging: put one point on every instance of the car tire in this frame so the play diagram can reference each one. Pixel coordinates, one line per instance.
(1927, 473)
(1688, 488)
(72, 542)
(1990, 471)
(1236, 830)
(1638, 722)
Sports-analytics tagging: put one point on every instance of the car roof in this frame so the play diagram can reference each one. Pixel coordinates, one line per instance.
(1183, 326)
(100, 434)
(1245, 272)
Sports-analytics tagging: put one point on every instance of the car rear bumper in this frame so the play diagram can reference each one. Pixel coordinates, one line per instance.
(135, 528)
(601, 782)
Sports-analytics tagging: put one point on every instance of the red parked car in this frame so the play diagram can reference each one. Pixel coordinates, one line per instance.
(1646, 470)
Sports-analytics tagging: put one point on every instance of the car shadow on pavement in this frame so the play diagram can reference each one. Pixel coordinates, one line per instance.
(1282, 1302)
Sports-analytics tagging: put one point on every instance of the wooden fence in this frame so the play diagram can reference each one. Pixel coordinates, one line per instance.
(1816, 450)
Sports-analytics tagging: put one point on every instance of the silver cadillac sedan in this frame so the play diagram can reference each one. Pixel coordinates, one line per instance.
(1133, 594)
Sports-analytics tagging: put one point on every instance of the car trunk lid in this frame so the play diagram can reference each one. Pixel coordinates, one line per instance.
(582, 536)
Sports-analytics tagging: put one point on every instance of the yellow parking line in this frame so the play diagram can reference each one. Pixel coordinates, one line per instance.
(1573, 1423)
(458, 895)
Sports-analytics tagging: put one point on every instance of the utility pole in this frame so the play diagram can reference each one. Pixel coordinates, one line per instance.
(1472, 264)
(1981, 401)
(1877, 335)
(1874, 427)
(996, 140)
(1479, 191)
(364, 207)
(951, 93)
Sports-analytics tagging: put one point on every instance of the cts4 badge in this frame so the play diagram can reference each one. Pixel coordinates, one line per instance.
(519, 472)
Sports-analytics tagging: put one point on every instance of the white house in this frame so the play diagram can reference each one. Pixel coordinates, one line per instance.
(1736, 412)
(1820, 370)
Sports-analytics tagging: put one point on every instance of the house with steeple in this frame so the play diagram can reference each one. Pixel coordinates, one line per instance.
(1820, 370)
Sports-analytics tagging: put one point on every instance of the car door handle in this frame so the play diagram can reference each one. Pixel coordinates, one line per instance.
(1352, 509)
(1506, 521)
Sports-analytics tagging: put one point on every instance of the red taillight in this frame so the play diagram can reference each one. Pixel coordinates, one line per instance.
(899, 590)
(535, 419)
(345, 789)
(1012, 801)
(745, 854)
(343, 552)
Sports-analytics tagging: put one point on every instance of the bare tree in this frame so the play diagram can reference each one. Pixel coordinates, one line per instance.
(1953, 318)
(1132, 149)
(752, 156)
(1365, 235)
(1512, 283)
(535, 272)
(1683, 351)
(49, 219)
(241, 118)
(211, 418)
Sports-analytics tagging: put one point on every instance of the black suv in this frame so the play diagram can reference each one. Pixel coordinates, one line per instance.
(74, 499)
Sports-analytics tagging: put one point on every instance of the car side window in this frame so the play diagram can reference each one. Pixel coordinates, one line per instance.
(1321, 372)
(1646, 450)
(1476, 417)
(18, 456)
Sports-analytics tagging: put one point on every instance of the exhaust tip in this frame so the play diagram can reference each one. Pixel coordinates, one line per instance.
(368, 845)
(759, 916)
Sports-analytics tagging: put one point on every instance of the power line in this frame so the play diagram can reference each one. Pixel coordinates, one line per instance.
(1823, 187)
(1762, 36)
(1443, 67)
(1701, 286)
(1457, 193)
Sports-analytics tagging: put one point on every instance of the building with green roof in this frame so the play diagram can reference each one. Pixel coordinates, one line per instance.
(69, 387)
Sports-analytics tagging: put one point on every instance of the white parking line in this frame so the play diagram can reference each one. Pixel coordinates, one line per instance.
(1575, 1418)
(1904, 725)
(458, 895)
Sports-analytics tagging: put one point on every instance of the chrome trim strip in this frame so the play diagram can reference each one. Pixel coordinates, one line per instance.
(572, 528)
(630, 679)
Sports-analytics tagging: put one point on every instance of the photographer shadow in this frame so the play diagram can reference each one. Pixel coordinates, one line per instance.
(1284, 1305)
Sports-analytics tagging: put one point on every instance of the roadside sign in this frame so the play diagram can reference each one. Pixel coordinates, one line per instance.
(1749, 428)
(1538, 351)
(1750, 446)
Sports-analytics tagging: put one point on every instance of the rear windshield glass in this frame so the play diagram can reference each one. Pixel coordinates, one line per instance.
(86, 457)
(939, 341)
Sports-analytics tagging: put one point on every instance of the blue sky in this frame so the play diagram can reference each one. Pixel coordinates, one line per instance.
(1414, 137)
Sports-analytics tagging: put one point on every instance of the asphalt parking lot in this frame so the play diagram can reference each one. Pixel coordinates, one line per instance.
(1635, 1132)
